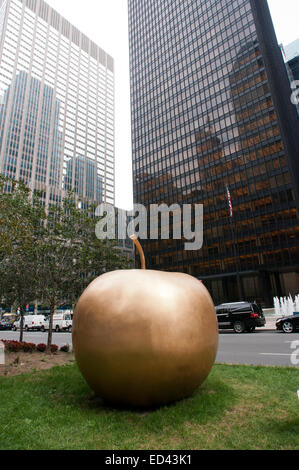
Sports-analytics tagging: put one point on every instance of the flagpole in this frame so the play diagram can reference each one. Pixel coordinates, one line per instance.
(236, 255)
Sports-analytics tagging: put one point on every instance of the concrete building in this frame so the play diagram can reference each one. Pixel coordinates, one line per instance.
(56, 104)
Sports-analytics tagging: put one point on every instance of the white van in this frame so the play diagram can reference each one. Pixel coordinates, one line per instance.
(31, 322)
(61, 322)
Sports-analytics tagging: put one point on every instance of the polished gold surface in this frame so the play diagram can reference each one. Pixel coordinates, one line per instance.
(143, 337)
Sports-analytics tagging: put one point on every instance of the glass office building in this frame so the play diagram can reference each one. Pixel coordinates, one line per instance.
(84, 180)
(213, 124)
(56, 104)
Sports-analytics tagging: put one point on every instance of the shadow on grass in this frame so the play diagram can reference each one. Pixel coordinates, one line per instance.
(209, 402)
(63, 388)
(286, 430)
(59, 402)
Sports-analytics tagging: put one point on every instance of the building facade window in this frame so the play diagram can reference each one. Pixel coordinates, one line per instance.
(204, 119)
(52, 95)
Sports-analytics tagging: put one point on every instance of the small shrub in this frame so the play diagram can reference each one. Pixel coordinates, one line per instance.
(53, 348)
(65, 348)
(12, 346)
(41, 347)
(28, 347)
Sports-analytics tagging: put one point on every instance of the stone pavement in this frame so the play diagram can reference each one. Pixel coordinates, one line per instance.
(270, 323)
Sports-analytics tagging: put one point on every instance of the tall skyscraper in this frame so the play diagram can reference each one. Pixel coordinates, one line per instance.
(213, 124)
(56, 104)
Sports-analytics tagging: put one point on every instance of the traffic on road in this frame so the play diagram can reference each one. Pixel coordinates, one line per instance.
(266, 345)
(61, 322)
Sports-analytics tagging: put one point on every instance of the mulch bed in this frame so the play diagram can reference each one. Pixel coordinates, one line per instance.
(20, 362)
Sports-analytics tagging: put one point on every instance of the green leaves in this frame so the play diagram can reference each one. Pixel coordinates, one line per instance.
(70, 254)
(50, 255)
(21, 224)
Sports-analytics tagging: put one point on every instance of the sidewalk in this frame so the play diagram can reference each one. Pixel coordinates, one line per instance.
(270, 323)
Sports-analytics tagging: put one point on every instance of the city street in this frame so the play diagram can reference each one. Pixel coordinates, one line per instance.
(264, 347)
(260, 348)
(60, 339)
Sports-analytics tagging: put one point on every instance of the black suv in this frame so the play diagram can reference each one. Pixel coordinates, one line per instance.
(288, 324)
(241, 316)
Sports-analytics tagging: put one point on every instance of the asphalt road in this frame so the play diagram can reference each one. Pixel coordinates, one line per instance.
(271, 348)
(264, 347)
(60, 339)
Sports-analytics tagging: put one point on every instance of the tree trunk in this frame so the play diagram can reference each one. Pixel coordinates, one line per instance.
(52, 311)
(22, 311)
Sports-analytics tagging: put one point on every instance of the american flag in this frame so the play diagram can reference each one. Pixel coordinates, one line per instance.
(229, 202)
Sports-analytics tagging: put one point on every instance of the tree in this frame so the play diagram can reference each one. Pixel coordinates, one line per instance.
(52, 254)
(18, 280)
(21, 226)
(15, 214)
(70, 256)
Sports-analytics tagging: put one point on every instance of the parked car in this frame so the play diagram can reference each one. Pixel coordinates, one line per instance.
(61, 322)
(288, 324)
(31, 322)
(5, 324)
(16, 325)
(240, 316)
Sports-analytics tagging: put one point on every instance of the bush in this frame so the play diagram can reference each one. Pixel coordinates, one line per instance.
(16, 346)
(53, 348)
(12, 346)
(28, 347)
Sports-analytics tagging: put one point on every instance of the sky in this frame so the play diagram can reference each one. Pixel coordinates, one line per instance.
(106, 23)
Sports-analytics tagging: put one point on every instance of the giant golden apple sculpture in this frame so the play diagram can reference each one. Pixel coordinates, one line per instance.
(143, 337)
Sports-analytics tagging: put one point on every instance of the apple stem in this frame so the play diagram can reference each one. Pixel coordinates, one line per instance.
(140, 250)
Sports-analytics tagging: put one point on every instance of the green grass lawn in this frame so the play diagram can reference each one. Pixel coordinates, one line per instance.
(238, 407)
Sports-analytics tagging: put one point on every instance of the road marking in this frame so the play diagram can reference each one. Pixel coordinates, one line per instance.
(275, 354)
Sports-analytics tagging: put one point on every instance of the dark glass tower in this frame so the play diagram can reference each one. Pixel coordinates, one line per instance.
(212, 116)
